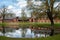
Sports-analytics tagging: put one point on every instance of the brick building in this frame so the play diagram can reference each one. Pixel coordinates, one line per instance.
(14, 19)
(42, 20)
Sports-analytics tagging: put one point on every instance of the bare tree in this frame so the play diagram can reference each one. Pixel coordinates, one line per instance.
(4, 15)
(3, 11)
(49, 7)
(23, 15)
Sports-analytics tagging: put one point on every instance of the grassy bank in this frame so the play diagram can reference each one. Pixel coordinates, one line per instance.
(56, 37)
(36, 24)
(27, 24)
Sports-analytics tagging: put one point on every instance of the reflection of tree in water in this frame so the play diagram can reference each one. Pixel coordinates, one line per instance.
(28, 33)
(23, 32)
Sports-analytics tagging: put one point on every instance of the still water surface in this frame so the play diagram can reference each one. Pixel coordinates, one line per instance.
(24, 33)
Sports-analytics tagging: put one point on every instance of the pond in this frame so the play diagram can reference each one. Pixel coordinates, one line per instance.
(24, 33)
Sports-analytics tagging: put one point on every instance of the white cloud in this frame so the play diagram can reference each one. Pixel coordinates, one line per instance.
(17, 12)
(10, 7)
(14, 10)
(18, 6)
(37, 2)
(22, 4)
(56, 3)
(20, 0)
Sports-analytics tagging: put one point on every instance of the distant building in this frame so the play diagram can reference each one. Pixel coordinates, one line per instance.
(9, 19)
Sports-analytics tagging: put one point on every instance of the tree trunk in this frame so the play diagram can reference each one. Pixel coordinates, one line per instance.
(49, 14)
(52, 22)
(3, 26)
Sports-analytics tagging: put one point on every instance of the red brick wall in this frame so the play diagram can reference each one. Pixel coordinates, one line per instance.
(44, 20)
(10, 20)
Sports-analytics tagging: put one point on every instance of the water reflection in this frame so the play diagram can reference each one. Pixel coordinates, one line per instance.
(29, 33)
(23, 33)
(14, 34)
(1, 34)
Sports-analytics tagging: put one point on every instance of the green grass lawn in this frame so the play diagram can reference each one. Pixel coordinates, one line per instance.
(33, 24)
(56, 37)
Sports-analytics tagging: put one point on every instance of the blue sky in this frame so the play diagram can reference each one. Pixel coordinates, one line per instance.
(15, 5)
(7, 2)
